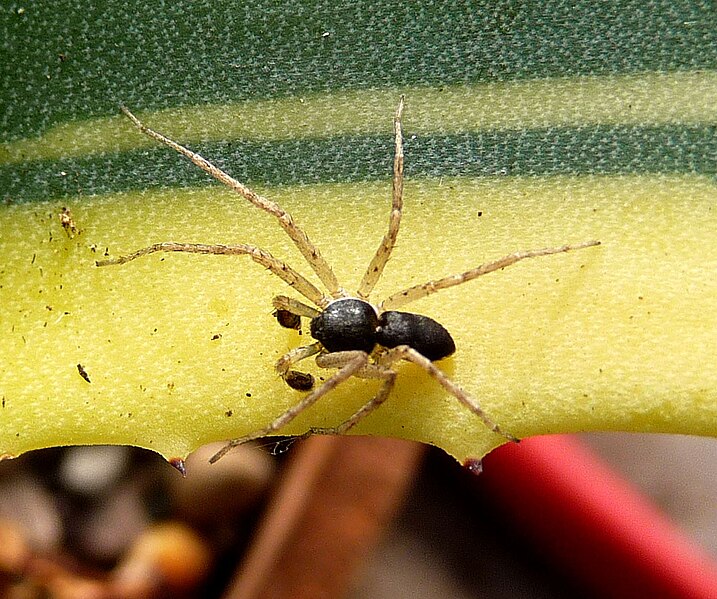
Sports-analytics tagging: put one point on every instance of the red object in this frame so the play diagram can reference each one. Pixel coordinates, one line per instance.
(594, 524)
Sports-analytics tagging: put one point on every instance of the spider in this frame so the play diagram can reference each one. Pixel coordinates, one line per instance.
(353, 336)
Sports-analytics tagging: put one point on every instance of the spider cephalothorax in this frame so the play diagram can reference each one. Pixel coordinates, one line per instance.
(353, 336)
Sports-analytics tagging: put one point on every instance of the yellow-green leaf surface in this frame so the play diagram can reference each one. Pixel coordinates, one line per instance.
(524, 128)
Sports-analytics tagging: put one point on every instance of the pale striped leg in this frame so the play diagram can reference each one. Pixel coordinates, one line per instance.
(282, 302)
(297, 235)
(299, 381)
(383, 370)
(277, 267)
(404, 352)
(358, 361)
(419, 291)
(295, 356)
(383, 253)
(369, 371)
(389, 377)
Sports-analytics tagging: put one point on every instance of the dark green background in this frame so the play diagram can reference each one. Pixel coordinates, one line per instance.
(65, 60)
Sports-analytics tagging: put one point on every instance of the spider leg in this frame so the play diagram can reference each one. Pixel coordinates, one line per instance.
(339, 359)
(297, 235)
(419, 291)
(369, 371)
(357, 361)
(383, 253)
(276, 266)
(289, 359)
(296, 355)
(404, 352)
(282, 302)
(389, 377)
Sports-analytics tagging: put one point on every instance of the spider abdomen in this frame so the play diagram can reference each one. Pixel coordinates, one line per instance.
(422, 333)
(346, 325)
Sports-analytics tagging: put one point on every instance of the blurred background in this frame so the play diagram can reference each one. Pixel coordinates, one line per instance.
(120, 522)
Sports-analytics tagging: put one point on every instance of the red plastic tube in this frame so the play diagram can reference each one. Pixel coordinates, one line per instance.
(595, 525)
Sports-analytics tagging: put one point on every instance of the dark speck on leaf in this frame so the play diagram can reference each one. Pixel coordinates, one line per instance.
(83, 372)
